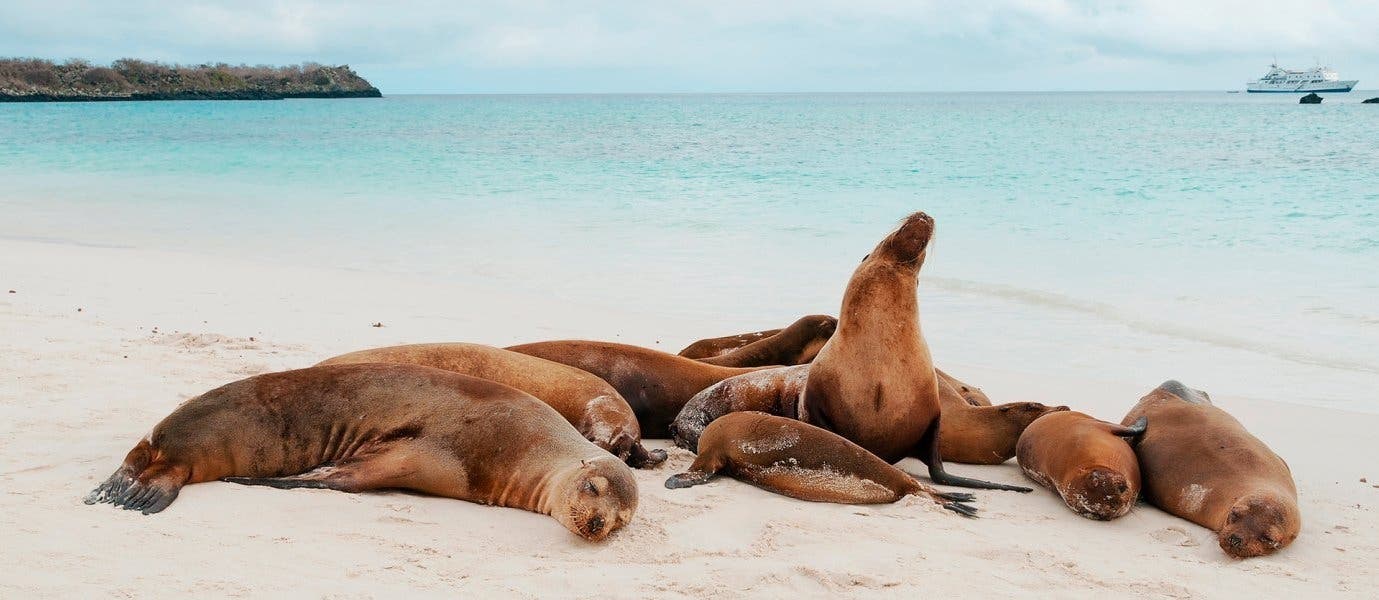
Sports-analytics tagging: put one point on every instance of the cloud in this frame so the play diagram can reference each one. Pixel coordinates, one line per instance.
(715, 44)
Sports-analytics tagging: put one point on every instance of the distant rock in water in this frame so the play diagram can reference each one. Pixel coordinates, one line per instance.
(1312, 98)
(1371, 101)
(38, 80)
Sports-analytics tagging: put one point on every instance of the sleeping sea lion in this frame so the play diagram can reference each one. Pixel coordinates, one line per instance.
(1199, 463)
(799, 460)
(1085, 461)
(587, 402)
(374, 426)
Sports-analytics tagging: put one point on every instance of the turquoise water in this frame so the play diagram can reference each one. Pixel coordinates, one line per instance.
(1229, 240)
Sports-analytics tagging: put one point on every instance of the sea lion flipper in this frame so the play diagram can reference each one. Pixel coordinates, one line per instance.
(929, 453)
(688, 479)
(965, 510)
(357, 474)
(641, 458)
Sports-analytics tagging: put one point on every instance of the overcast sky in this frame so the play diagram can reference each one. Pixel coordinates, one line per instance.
(800, 45)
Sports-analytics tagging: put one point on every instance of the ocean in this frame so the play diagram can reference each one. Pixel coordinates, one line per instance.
(1227, 240)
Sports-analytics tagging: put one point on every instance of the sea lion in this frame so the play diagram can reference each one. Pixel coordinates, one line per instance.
(794, 345)
(799, 460)
(656, 384)
(1087, 462)
(981, 435)
(711, 347)
(373, 426)
(1199, 463)
(874, 381)
(587, 402)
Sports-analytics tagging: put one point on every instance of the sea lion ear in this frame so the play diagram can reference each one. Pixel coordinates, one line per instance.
(1005, 407)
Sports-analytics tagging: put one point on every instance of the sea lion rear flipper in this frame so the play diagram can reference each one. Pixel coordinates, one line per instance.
(141, 483)
(929, 453)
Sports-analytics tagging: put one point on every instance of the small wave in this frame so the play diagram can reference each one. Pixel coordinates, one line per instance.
(1111, 313)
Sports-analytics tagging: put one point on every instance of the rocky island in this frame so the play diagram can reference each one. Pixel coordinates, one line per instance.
(39, 80)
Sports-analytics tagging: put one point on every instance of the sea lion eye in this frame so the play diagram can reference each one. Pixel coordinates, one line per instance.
(589, 488)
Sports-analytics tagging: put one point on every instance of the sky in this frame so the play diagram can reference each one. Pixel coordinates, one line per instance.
(726, 46)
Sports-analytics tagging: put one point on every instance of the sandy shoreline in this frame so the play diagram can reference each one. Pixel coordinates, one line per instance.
(154, 328)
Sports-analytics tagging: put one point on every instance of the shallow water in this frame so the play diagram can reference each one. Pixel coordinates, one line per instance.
(1228, 240)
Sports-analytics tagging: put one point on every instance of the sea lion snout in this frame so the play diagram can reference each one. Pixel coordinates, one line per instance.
(601, 499)
(1256, 526)
(909, 241)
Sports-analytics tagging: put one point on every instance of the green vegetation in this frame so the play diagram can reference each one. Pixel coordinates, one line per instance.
(35, 79)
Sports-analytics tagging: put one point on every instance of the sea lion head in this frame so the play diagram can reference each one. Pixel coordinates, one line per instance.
(1258, 524)
(1101, 493)
(1024, 413)
(908, 244)
(821, 328)
(597, 499)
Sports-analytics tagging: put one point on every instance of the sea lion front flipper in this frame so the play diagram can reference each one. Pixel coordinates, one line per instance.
(929, 453)
(705, 467)
(386, 468)
(688, 479)
(641, 458)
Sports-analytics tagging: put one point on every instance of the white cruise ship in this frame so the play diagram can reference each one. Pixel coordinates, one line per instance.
(1316, 79)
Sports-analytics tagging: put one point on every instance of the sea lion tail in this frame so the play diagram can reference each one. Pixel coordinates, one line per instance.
(140, 483)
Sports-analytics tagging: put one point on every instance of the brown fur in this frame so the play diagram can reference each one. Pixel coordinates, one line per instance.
(970, 394)
(977, 435)
(799, 460)
(711, 347)
(587, 402)
(656, 384)
(1199, 463)
(874, 382)
(775, 391)
(982, 435)
(795, 345)
(1086, 462)
(373, 426)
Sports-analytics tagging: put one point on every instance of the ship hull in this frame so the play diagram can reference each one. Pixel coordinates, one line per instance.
(1330, 86)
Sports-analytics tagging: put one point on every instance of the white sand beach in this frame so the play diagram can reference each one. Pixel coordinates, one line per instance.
(97, 344)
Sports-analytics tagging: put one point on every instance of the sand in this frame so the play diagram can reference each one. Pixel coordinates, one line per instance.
(97, 344)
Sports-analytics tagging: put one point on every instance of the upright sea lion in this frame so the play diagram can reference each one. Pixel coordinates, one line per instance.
(799, 460)
(711, 347)
(794, 345)
(983, 435)
(1200, 464)
(656, 384)
(374, 426)
(874, 381)
(587, 402)
(1086, 461)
